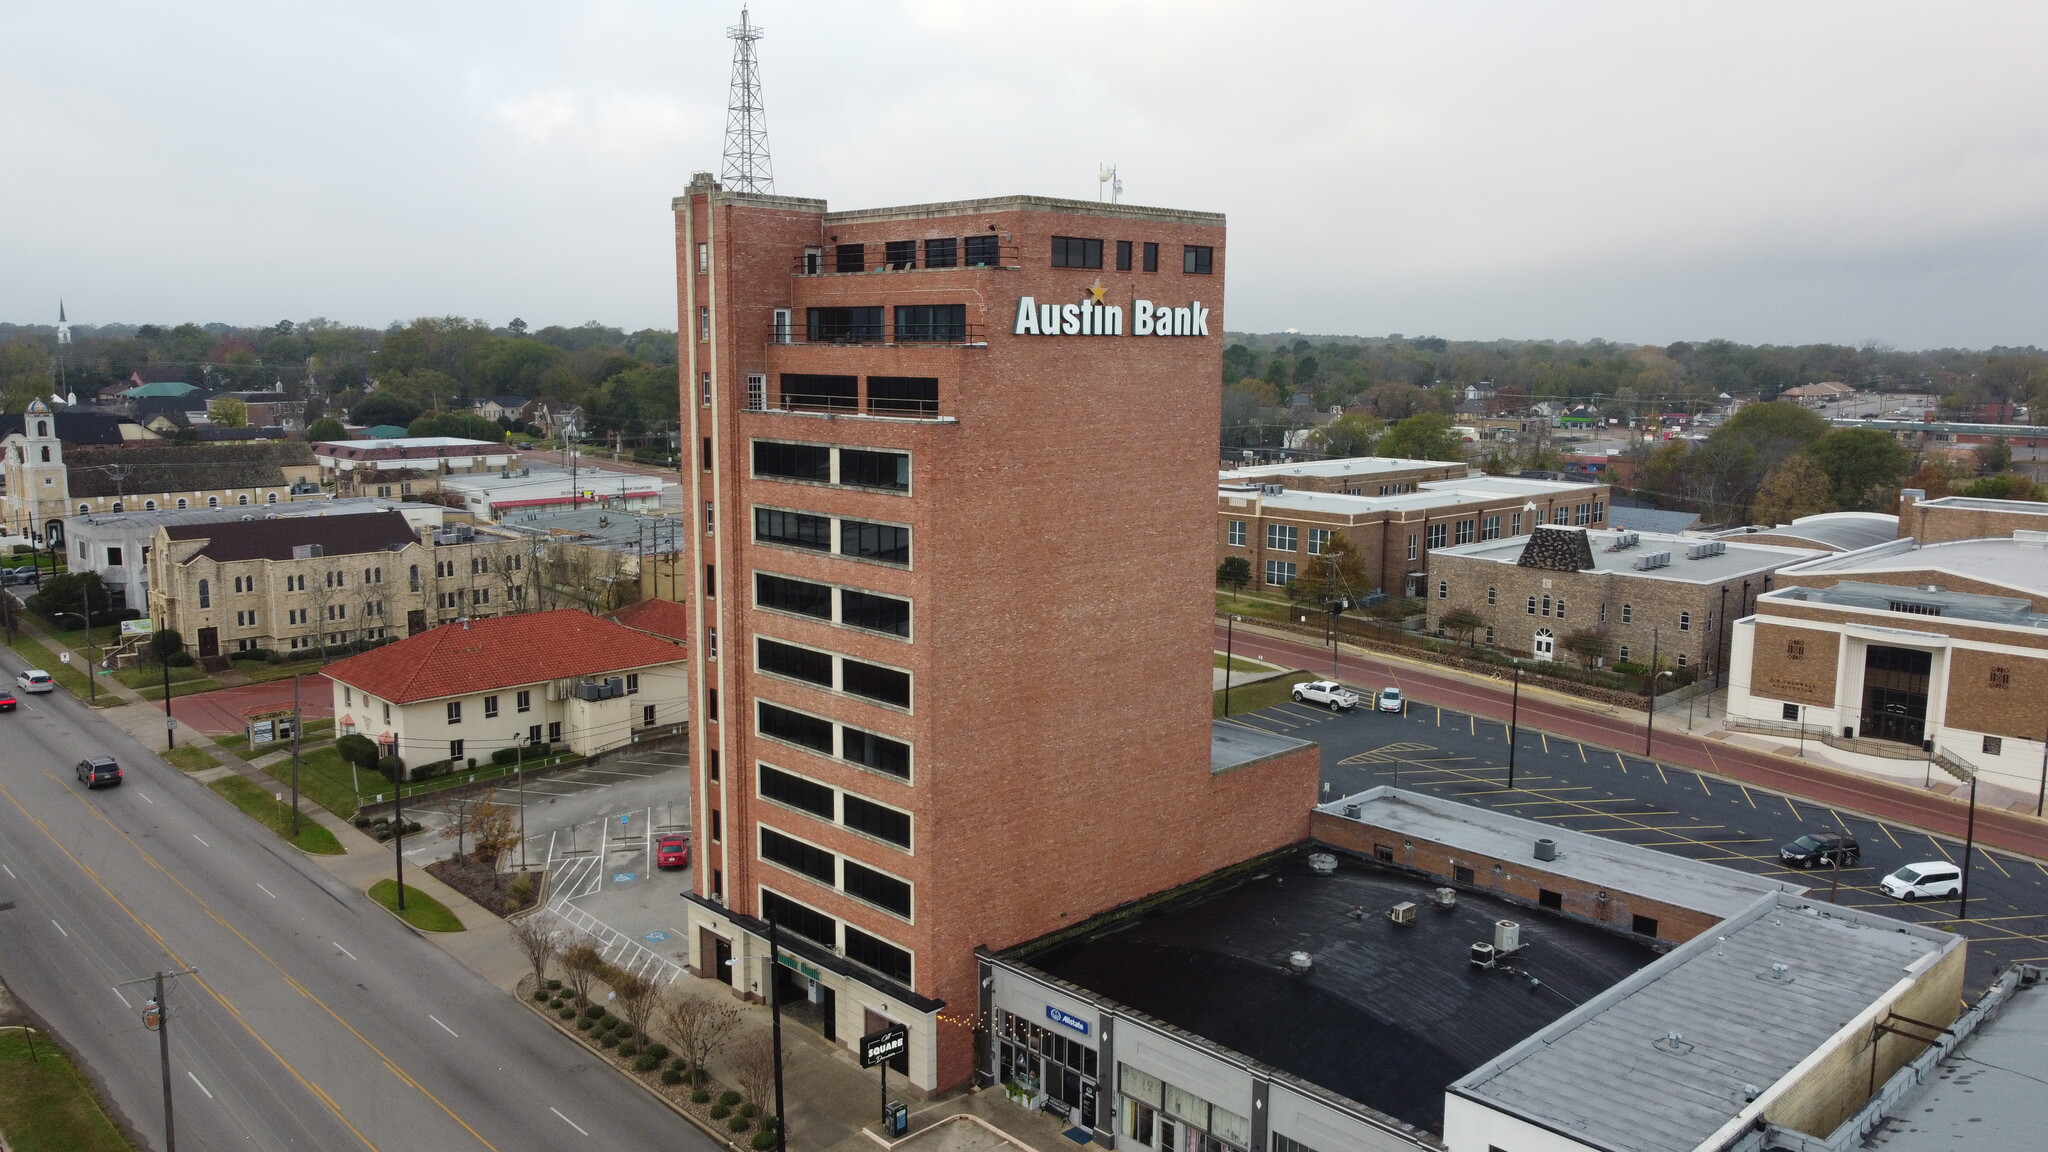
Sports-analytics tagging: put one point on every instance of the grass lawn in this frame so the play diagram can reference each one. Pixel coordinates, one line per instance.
(155, 691)
(40, 656)
(273, 815)
(154, 677)
(46, 1106)
(323, 779)
(189, 758)
(1239, 664)
(1255, 607)
(421, 910)
(1264, 694)
(259, 672)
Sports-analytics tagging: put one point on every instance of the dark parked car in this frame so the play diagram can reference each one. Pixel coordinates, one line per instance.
(1821, 850)
(98, 770)
(6, 700)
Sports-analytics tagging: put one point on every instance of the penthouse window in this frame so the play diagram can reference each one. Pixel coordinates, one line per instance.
(874, 613)
(808, 923)
(849, 257)
(903, 396)
(793, 461)
(798, 856)
(983, 252)
(877, 888)
(1076, 252)
(944, 253)
(878, 954)
(794, 662)
(844, 325)
(1151, 256)
(795, 791)
(794, 529)
(900, 254)
(883, 823)
(931, 323)
(885, 542)
(814, 393)
(1123, 255)
(861, 468)
(799, 596)
(795, 727)
(878, 752)
(1197, 259)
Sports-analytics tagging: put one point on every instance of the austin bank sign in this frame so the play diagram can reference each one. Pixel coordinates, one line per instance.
(1092, 317)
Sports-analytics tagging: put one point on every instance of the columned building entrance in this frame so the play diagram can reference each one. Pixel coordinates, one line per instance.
(1895, 682)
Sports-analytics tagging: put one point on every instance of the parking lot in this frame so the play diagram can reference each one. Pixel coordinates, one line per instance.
(1627, 797)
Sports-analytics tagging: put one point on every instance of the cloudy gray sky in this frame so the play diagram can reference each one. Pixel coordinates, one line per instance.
(1642, 172)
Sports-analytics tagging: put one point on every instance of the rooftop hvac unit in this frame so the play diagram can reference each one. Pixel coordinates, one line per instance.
(1652, 560)
(1483, 956)
(2029, 536)
(1322, 863)
(1272, 489)
(1402, 913)
(307, 551)
(1447, 897)
(1624, 541)
(1507, 937)
(1300, 961)
(1706, 548)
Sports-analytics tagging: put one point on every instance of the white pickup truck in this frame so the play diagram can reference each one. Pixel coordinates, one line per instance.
(1328, 692)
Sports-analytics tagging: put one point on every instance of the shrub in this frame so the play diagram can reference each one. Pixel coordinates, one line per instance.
(274, 658)
(629, 1049)
(720, 1111)
(678, 1064)
(553, 985)
(609, 1040)
(179, 659)
(567, 1013)
(700, 1095)
(362, 821)
(739, 1123)
(670, 1075)
(660, 1051)
(728, 1098)
(391, 766)
(540, 994)
(585, 1024)
(412, 826)
(504, 755)
(557, 1002)
(748, 1110)
(764, 1140)
(646, 1063)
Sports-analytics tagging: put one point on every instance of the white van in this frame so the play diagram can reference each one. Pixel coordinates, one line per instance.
(1927, 879)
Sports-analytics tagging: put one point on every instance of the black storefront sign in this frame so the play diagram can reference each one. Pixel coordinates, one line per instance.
(876, 1047)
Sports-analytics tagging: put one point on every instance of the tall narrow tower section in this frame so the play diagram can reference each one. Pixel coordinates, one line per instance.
(747, 168)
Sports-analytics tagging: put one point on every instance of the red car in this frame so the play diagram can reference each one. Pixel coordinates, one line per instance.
(6, 701)
(672, 852)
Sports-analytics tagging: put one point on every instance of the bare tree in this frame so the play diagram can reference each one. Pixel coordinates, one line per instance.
(580, 967)
(637, 999)
(490, 827)
(699, 1026)
(753, 1065)
(540, 941)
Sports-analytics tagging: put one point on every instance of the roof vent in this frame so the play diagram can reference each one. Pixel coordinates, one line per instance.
(1322, 863)
(1300, 962)
(1779, 974)
(1675, 1043)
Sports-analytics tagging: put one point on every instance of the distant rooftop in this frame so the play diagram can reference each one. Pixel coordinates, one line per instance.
(1736, 560)
(353, 506)
(1608, 1076)
(1921, 600)
(1989, 1095)
(615, 529)
(1427, 495)
(1233, 745)
(2017, 564)
(1984, 504)
(1846, 531)
(1349, 466)
(422, 442)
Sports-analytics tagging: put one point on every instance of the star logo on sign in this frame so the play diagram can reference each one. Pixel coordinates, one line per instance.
(1097, 293)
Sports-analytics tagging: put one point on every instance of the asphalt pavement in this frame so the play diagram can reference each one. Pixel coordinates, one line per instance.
(316, 1020)
(1652, 803)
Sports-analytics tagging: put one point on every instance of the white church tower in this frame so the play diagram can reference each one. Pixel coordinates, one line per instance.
(38, 488)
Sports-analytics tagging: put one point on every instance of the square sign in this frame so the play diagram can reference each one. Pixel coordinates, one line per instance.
(876, 1047)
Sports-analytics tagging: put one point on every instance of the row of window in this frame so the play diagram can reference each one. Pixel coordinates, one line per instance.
(1542, 606)
(1086, 252)
(862, 948)
(853, 811)
(900, 255)
(863, 324)
(839, 536)
(150, 505)
(853, 745)
(522, 700)
(832, 603)
(822, 464)
(895, 396)
(838, 673)
(844, 873)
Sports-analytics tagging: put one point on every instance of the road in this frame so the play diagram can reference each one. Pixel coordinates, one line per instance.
(1653, 803)
(316, 1021)
(2013, 831)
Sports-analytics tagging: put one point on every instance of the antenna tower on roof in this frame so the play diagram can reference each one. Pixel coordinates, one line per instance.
(746, 117)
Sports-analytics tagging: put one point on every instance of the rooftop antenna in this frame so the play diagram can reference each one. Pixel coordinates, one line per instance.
(1106, 176)
(746, 117)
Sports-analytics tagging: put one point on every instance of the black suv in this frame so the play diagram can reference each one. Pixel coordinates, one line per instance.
(1821, 849)
(98, 770)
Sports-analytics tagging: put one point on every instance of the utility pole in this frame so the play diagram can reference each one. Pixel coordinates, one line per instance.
(775, 1010)
(295, 754)
(398, 820)
(1650, 708)
(92, 679)
(156, 1016)
(1229, 660)
(1514, 725)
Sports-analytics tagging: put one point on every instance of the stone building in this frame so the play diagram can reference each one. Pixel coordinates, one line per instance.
(1637, 590)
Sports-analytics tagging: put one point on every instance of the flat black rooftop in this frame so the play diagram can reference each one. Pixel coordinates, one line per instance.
(1389, 1015)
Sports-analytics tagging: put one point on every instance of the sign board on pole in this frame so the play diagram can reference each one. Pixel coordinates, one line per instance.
(64, 656)
(890, 1042)
(142, 627)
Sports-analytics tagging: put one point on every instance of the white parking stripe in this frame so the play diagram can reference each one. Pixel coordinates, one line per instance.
(60, 928)
(202, 1087)
(444, 1027)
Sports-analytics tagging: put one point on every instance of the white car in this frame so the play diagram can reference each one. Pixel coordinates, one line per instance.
(1928, 878)
(1390, 701)
(1338, 697)
(35, 680)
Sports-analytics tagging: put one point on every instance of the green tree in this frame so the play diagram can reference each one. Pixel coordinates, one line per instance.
(1864, 466)
(1234, 572)
(460, 425)
(1993, 457)
(25, 373)
(2002, 487)
(64, 598)
(1423, 436)
(1351, 434)
(1589, 645)
(380, 408)
(326, 428)
(227, 412)
(1461, 622)
(1798, 487)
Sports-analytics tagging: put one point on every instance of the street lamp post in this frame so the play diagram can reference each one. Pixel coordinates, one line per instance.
(1514, 724)
(775, 1011)
(398, 817)
(1650, 704)
(519, 770)
(1969, 843)
(1229, 662)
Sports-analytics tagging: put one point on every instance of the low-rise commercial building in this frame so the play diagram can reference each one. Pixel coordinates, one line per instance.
(538, 487)
(352, 463)
(1348, 476)
(461, 691)
(1638, 592)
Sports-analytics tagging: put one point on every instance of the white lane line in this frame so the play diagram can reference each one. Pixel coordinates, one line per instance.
(60, 928)
(119, 993)
(201, 839)
(145, 797)
(268, 892)
(569, 1122)
(444, 1027)
(344, 951)
(9, 871)
(202, 1087)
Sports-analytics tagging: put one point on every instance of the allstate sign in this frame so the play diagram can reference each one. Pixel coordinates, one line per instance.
(1067, 1019)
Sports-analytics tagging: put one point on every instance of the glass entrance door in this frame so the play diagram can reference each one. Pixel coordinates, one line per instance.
(1895, 682)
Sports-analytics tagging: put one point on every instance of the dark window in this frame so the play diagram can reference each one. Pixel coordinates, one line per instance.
(1551, 900)
(941, 253)
(877, 752)
(795, 727)
(1384, 853)
(931, 323)
(792, 461)
(1076, 252)
(865, 469)
(879, 955)
(845, 325)
(1151, 256)
(877, 889)
(877, 821)
(1645, 926)
(789, 660)
(1789, 711)
(850, 257)
(711, 581)
(710, 713)
(1197, 258)
(983, 252)
(796, 791)
(798, 856)
(717, 826)
(1123, 255)
(799, 596)
(707, 453)
(805, 922)
(875, 613)
(901, 254)
(874, 682)
(1461, 874)
(874, 541)
(712, 765)
(903, 395)
(792, 528)
(805, 392)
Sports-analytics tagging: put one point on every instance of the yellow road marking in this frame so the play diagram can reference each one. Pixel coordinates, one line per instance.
(1583, 760)
(1703, 783)
(1746, 795)
(1795, 810)
(1439, 716)
(1609, 815)
(1613, 800)
(1986, 853)
(1880, 827)
(1472, 725)
(1622, 764)
(1939, 848)
(1546, 741)
(1660, 772)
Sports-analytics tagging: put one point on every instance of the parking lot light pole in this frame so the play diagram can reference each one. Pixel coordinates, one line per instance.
(398, 819)
(1514, 724)
(1969, 843)
(1229, 659)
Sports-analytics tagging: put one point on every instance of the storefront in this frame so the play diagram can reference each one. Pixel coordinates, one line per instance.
(1055, 1065)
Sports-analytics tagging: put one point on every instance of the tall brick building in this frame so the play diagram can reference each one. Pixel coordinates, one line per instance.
(949, 466)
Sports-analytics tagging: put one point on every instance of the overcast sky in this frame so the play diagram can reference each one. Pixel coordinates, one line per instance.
(1765, 172)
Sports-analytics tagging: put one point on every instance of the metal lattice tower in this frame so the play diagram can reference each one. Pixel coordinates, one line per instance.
(746, 117)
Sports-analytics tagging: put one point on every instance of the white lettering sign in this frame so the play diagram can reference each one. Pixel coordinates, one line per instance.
(1091, 318)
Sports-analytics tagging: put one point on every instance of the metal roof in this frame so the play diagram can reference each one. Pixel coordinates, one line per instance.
(1233, 745)
(1610, 1075)
(1847, 531)
(2008, 563)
